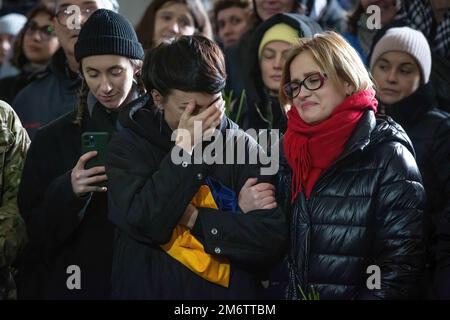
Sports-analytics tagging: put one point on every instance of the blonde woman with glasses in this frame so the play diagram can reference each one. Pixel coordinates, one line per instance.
(353, 189)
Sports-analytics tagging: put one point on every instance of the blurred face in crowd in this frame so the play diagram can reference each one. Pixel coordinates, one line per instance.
(388, 8)
(6, 42)
(272, 61)
(440, 8)
(397, 76)
(39, 40)
(109, 78)
(314, 106)
(232, 23)
(269, 8)
(175, 103)
(64, 24)
(173, 19)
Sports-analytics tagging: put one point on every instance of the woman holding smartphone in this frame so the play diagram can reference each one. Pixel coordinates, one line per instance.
(63, 203)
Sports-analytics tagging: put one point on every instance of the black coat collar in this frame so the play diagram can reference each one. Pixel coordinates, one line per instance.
(409, 110)
(372, 130)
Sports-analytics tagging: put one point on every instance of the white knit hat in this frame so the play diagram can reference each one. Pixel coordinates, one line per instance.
(12, 23)
(406, 40)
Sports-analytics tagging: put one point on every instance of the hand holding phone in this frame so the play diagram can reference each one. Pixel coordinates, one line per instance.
(88, 180)
(95, 141)
(88, 175)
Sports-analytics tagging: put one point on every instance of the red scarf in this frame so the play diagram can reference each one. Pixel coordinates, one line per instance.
(311, 149)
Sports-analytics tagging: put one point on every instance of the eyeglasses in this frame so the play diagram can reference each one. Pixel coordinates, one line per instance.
(46, 32)
(63, 15)
(312, 82)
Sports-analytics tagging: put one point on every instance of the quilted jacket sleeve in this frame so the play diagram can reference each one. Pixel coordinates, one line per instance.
(398, 248)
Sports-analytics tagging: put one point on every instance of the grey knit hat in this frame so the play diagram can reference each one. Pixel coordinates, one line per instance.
(406, 40)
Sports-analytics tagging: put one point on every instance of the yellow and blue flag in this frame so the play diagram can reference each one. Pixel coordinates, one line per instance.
(186, 249)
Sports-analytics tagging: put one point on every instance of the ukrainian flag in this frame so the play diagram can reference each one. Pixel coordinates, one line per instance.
(186, 249)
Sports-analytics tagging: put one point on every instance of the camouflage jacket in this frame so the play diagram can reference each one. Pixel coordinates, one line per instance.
(14, 144)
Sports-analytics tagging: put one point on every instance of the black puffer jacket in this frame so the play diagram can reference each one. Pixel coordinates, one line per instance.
(429, 130)
(364, 210)
(148, 195)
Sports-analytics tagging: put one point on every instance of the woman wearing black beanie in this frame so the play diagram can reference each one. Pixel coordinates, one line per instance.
(63, 202)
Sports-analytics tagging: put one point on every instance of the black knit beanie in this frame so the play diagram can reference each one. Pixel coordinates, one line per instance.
(107, 32)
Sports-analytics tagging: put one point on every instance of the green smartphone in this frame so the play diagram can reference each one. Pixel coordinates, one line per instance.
(95, 141)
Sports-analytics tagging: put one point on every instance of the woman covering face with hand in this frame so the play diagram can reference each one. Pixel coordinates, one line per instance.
(183, 232)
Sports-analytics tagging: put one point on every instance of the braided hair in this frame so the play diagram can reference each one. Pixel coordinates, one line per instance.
(84, 92)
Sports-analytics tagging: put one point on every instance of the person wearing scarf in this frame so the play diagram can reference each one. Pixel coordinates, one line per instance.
(353, 190)
(401, 64)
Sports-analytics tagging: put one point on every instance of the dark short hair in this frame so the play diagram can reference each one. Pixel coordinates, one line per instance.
(187, 63)
(146, 26)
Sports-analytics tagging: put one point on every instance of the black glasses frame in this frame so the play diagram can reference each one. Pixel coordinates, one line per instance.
(287, 88)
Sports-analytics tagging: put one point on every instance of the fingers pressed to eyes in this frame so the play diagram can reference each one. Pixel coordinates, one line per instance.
(218, 105)
(190, 107)
(206, 113)
(207, 123)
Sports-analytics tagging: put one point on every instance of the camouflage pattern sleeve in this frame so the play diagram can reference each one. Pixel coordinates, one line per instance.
(14, 143)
